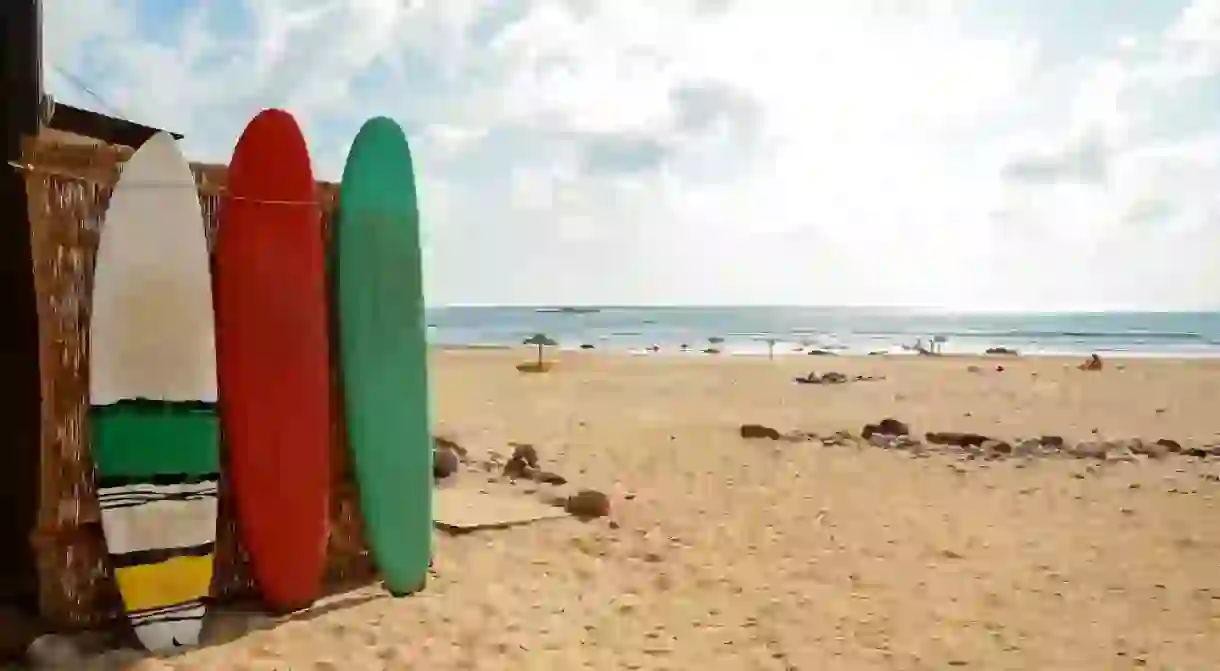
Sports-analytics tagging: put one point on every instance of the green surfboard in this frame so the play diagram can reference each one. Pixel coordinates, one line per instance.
(384, 352)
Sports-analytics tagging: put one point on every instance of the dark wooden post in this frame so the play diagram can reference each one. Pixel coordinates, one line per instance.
(20, 393)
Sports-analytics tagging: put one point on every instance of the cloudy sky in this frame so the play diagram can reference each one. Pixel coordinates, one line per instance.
(971, 154)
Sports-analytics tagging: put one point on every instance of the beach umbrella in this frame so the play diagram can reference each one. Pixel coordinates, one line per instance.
(541, 340)
(770, 347)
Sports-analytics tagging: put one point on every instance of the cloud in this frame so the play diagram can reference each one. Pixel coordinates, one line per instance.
(1084, 160)
(623, 154)
(1150, 210)
(1192, 45)
(724, 151)
(701, 107)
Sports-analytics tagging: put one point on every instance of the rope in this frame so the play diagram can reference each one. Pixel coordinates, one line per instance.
(76, 81)
(222, 192)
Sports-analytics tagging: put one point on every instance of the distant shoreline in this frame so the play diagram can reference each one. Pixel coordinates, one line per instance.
(839, 308)
(674, 354)
(848, 332)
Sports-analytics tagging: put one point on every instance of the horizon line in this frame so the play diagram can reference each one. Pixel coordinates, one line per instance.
(907, 308)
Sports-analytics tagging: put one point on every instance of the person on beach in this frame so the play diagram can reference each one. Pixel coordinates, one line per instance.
(1092, 363)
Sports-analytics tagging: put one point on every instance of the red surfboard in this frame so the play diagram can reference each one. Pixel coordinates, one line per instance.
(272, 357)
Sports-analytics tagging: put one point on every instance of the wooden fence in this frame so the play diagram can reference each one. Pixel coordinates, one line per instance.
(69, 188)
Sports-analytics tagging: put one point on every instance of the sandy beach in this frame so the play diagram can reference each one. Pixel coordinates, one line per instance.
(726, 553)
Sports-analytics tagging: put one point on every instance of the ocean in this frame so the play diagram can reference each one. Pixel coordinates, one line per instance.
(744, 330)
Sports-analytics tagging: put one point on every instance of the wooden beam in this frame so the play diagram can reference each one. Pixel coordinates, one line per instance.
(22, 52)
(20, 383)
(111, 130)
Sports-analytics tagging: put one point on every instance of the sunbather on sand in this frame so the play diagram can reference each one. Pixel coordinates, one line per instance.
(1092, 363)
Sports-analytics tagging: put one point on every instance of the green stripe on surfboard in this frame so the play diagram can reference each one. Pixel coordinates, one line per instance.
(383, 351)
(147, 438)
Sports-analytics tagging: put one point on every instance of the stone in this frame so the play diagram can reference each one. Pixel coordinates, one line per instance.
(1090, 449)
(445, 462)
(1027, 448)
(893, 427)
(832, 377)
(880, 440)
(446, 443)
(523, 464)
(887, 427)
(526, 453)
(1168, 443)
(1202, 451)
(588, 504)
(956, 439)
(973, 451)
(515, 469)
(996, 447)
(759, 431)
(1154, 450)
(54, 651)
(1120, 451)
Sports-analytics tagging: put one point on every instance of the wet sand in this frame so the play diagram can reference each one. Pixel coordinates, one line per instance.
(724, 553)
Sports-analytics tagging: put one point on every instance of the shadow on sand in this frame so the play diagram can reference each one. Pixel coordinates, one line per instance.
(229, 622)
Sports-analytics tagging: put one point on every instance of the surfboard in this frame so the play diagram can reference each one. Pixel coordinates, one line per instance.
(273, 359)
(383, 351)
(152, 391)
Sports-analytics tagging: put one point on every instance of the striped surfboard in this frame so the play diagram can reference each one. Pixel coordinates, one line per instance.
(152, 390)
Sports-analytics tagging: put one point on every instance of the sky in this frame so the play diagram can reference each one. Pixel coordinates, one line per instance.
(972, 155)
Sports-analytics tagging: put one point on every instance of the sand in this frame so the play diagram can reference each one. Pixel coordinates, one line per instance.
(722, 553)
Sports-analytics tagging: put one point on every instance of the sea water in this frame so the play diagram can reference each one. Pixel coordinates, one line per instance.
(746, 330)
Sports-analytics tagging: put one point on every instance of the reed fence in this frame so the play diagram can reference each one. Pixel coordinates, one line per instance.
(69, 187)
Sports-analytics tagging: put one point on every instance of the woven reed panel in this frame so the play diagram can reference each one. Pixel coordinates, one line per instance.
(69, 188)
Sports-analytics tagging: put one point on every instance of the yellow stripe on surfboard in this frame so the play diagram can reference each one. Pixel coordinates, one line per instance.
(166, 583)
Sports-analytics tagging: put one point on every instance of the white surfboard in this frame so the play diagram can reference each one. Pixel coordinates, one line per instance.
(153, 392)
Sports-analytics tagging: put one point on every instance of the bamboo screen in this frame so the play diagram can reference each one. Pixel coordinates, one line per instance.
(69, 187)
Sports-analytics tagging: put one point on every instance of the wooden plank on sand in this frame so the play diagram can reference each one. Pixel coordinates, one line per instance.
(458, 510)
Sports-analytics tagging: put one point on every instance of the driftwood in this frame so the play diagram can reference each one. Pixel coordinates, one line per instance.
(69, 188)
